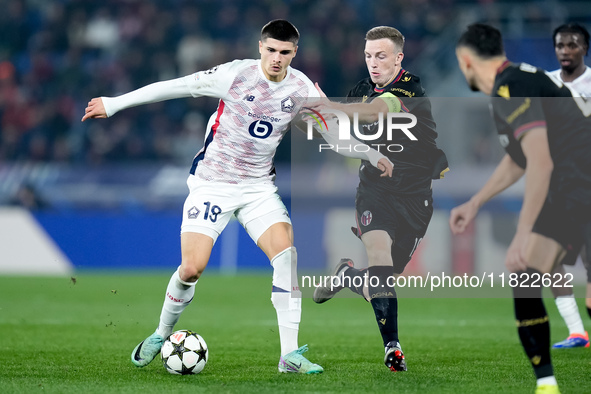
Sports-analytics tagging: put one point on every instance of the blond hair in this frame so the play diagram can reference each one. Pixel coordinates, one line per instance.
(388, 32)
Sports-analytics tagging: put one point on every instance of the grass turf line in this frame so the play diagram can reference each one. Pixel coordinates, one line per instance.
(58, 336)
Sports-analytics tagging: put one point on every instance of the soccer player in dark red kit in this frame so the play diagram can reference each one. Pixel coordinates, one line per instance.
(392, 214)
(545, 132)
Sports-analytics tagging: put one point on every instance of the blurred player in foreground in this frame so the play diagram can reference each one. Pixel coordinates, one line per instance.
(571, 44)
(550, 135)
(233, 174)
(392, 214)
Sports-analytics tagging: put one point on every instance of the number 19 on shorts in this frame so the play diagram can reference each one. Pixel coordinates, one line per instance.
(211, 212)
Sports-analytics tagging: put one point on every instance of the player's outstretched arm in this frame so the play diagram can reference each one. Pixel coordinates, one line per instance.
(104, 107)
(506, 174)
(344, 147)
(95, 109)
(537, 182)
(351, 147)
(366, 112)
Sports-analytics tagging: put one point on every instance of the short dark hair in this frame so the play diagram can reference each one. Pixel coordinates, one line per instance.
(388, 32)
(485, 40)
(574, 28)
(282, 30)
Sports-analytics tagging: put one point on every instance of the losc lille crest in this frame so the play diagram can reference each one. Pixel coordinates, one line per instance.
(287, 104)
(192, 213)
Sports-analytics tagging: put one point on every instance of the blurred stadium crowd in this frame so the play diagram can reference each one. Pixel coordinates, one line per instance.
(56, 55)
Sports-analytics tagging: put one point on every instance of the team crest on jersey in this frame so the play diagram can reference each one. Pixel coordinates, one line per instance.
(287, 104)
(211, 70)
(193, 213)
(366, 218)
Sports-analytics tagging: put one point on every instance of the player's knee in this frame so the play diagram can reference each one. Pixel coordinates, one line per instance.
(379, 257)
(279, 247)
(190, 271)
(276, 239)
(560, 287)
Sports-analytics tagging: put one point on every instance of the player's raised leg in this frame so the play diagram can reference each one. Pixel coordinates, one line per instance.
(277, 243)
(338, 281)
(344, 275)
(196, 249)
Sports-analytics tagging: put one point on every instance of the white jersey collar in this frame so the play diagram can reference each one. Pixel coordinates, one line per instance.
(585, 75)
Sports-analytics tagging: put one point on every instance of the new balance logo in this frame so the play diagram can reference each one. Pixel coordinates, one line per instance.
(249, 97)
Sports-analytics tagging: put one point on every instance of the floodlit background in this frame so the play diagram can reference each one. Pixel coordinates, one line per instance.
(107, 194)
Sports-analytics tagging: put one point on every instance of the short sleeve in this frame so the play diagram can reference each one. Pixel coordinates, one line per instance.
(520, 113)
(516, 100)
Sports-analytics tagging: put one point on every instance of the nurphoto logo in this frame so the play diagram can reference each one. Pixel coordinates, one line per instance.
(319, 123)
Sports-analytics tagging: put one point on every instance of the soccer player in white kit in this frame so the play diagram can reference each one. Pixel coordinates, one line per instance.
(233, 174)
(571, 44)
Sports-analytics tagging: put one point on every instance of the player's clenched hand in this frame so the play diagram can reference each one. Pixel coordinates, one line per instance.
(95, 109)
(515, 260)
(461, 216)
(386, 166)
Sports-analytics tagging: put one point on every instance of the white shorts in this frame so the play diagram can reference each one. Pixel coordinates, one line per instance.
(210, 205)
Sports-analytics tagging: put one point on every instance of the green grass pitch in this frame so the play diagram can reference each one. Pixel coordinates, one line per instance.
(57, 336)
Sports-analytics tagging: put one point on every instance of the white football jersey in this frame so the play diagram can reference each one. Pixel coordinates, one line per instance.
(581, 85)
(252, 117)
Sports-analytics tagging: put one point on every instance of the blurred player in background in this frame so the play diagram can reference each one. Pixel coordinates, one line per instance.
(552, 137)
(233, 174)
(392, 214)
(571, 45)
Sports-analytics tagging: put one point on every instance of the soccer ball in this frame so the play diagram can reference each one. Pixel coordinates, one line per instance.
(184, 352)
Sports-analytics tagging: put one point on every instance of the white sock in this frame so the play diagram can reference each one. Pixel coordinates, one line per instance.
(286, 298)
(288, 327)
(547, 380)
(567, 306)
(179, 294)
